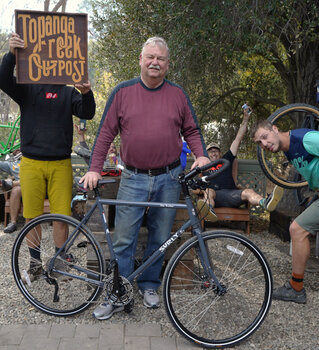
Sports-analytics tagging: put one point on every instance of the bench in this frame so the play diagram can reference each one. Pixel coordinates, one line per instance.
(250, 175)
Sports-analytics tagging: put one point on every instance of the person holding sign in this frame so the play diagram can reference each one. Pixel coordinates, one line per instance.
(46, 132)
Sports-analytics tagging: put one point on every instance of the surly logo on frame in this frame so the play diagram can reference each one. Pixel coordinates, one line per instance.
(168, 242)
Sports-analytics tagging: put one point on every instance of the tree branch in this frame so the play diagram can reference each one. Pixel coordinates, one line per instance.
(259, 98)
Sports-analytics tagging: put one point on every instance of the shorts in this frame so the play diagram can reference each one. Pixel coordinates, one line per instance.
(39, 178)
(309, 218)
(228, 198)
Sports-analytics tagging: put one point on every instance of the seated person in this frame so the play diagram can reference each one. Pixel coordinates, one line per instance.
(223, 192)
(12, 167)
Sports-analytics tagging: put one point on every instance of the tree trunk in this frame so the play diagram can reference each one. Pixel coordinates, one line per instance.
(306, 75)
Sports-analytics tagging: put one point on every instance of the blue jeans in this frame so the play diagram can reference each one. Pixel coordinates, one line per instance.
(128, 220)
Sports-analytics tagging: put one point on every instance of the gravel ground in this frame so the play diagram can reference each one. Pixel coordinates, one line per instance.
(287, 326)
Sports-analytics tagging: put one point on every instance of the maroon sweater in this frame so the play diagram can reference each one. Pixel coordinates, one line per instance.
(150, 123)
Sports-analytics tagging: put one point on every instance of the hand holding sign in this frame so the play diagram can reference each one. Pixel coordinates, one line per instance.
(15, 42)
(84, 88)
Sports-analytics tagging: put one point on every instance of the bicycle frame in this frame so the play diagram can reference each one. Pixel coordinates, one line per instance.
(12, 142)
(193, 221)
(210, 275)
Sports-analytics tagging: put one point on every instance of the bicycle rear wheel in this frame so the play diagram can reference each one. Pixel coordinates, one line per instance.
(276, 166)
(193, 303)
(54, 293)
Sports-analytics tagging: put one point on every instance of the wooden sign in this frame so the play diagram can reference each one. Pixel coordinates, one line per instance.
(55, 47)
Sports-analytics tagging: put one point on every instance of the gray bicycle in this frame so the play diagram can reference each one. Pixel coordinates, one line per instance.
(217, 286)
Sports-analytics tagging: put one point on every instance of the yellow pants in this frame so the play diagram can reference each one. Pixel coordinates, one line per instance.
(39, 178)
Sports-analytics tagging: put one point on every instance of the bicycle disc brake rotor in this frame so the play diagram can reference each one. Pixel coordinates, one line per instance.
(125, 293)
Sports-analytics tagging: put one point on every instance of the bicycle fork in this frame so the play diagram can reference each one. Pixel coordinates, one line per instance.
(210, 277)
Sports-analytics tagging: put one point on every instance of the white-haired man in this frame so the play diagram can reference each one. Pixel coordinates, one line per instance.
(150, 113)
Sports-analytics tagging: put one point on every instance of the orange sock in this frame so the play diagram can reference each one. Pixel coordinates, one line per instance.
(297, 281)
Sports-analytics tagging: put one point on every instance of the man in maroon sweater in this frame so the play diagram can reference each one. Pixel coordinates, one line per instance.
(150, 113)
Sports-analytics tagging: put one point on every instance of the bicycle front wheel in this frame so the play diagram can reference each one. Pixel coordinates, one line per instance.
(276, 166)
(53, 292)
(195, 306)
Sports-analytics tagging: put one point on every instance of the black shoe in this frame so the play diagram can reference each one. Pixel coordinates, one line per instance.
(11, 228)
(7, 184)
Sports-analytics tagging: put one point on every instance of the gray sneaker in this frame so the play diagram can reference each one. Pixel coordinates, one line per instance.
(206, 211)
(150, 298)
(11, 228)
(287, 293)
(34, 272)
(106, 310)
(274, 198)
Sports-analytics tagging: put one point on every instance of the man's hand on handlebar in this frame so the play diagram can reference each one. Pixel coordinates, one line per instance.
(200, 161)
(90, 179)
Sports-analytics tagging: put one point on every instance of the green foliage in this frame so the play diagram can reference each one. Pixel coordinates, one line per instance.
(8, 108)
(223, 53)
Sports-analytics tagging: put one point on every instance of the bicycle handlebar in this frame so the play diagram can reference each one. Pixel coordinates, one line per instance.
(216, 167)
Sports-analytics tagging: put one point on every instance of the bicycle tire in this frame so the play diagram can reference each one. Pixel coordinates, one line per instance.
(74, 295)
(191, 300)
(290, 111)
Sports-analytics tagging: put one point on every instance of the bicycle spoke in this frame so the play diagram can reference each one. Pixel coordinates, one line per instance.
(51, 291)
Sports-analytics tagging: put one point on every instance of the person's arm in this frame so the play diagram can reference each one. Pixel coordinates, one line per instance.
(241, 133)
(108, 129)
(7, 80)
(81, 136)
(193, 135)
(83, 103)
